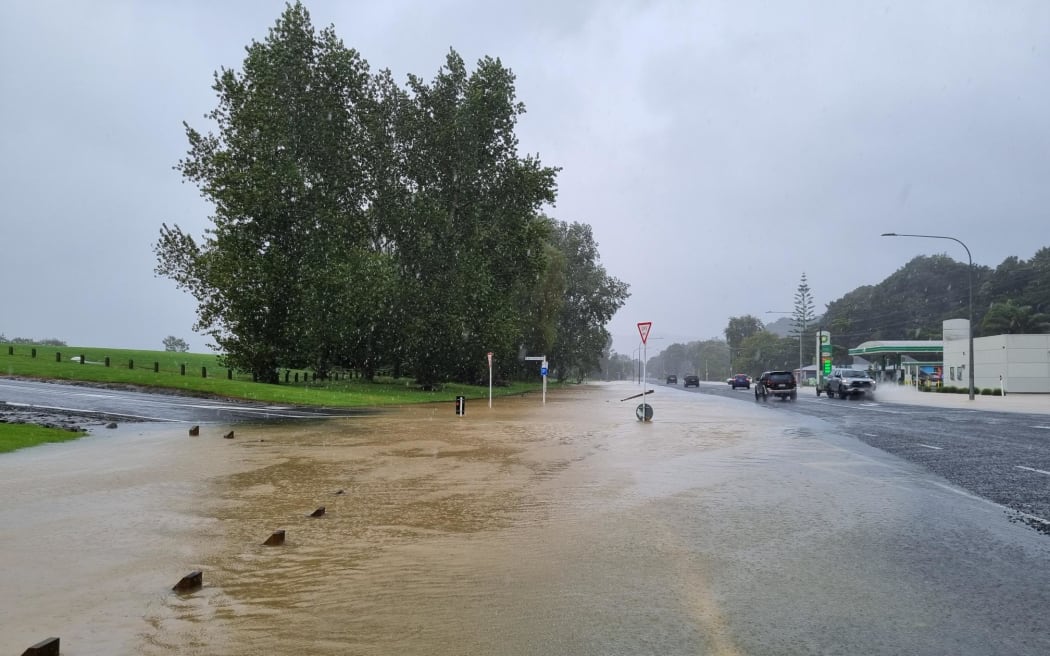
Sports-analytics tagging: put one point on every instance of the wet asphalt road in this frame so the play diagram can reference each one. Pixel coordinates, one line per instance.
(1000, 456)
(143, 406)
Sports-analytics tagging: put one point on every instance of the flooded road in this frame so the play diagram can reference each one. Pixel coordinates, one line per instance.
(719, 528)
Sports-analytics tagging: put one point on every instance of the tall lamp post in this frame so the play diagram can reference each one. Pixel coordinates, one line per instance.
(800, 332)
(969, 273)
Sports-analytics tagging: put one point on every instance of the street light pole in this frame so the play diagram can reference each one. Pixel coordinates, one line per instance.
(969, 275)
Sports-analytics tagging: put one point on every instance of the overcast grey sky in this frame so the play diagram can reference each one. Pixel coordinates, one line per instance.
(718, 149)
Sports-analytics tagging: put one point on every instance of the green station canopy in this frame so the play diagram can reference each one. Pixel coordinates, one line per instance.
(899, 346)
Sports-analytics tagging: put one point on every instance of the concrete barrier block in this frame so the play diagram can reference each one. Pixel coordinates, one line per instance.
(48, 647)
(276, 539)
(192, 581)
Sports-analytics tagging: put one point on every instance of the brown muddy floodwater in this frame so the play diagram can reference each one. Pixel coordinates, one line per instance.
(481, 534)
(721, 528)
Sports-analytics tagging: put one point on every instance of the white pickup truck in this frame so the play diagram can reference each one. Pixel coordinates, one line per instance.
(848, 382)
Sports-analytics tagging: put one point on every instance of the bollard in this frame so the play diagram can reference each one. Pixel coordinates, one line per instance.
(131, 364)
(81, 358)
(229, 374)
(48, 647)
(318, 513)
(182, 370)
(156, 367)
(33, 353)
(461, 406)
(287, 375)
(10, 350)
(276, 539)
(204, 372)
(228, 436)
(195, 431)
(107, 360)
(58, 357)
(190, 582)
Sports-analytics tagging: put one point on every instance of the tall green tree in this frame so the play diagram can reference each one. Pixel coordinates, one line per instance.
(471, 243)
(286, 189)
(803, 316)
(590, 298)
(1010, 318)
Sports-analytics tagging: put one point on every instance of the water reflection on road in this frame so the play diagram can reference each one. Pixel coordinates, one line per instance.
(569, 528)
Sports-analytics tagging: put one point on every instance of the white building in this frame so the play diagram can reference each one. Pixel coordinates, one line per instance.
(1021, 363)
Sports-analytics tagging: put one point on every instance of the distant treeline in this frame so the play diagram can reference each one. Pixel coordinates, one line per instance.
(31, 341)
(910, 304)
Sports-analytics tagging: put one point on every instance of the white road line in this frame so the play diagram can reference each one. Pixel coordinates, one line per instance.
(1043, 427)
(1032, 469)
(939, 448)
(870, 435)
(991, 503)
(102, 412)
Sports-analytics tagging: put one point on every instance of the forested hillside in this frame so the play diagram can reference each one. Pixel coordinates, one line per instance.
(910, 304)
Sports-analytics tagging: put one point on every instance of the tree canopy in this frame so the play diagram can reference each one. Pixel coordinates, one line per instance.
(359, 224)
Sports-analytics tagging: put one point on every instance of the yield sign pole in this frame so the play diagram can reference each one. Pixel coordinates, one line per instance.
(643, 331)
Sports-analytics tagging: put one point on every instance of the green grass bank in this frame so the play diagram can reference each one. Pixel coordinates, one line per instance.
(200, 374)
(21, 436)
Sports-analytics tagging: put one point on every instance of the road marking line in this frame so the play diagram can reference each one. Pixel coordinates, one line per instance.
(1032, 469)
(963, 493)
(95, 412)
(939, 448)
(870, 435)
(1044, 427)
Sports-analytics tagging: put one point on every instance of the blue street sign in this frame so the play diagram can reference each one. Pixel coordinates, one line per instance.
(543, 371)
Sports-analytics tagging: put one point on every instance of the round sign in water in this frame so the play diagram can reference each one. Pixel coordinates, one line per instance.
(644, 412)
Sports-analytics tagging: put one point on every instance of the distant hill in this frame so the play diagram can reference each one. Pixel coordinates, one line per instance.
(914, 301)
(785, 326)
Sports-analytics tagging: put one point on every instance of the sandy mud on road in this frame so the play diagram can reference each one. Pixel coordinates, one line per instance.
(426, 516)
(720, 528)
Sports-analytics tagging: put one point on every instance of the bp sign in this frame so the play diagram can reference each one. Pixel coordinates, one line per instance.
(824, 348)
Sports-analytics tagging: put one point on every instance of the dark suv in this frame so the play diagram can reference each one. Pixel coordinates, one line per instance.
(691, 381)
(672, 380)
(776, 383)
(740, 380)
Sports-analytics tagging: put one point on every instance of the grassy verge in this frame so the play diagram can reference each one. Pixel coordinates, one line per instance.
(20, 436)
(201, 374)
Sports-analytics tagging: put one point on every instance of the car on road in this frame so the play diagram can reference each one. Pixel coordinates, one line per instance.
(740, 380)
(848, 382)
(691, 381)
(672, 380)
(780, 384)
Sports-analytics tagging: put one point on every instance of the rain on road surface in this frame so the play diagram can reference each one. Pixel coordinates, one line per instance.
(719, 528)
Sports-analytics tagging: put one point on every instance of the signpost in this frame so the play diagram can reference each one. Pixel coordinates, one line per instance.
(644, 411)
(543, 372)
(490, 379)
(824, 353)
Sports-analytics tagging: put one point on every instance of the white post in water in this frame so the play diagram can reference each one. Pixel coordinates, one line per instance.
(542, 359)
(490, 379)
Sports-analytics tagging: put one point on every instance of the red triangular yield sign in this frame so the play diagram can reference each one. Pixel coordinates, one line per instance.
(643, 329)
